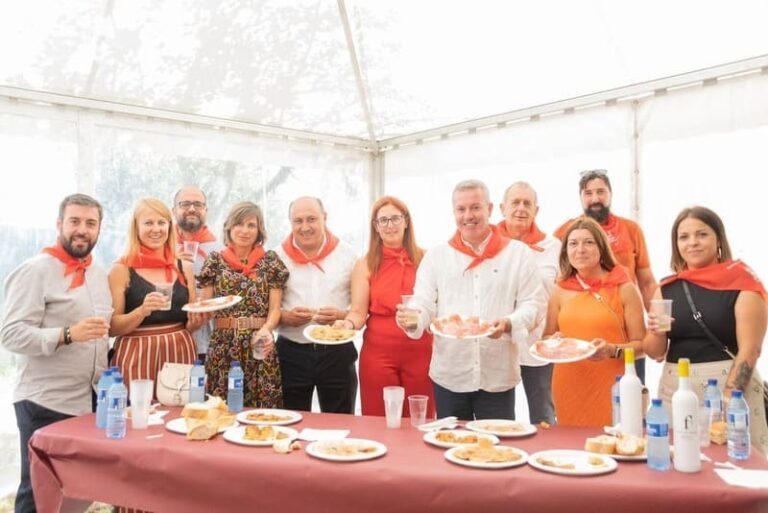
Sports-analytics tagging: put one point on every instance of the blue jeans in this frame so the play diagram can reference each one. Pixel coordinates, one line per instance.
(475, 405)
(29, 418)
(538, 390)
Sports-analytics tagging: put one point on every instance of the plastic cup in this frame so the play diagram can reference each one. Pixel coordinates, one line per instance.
(141, 398)
(191, 247)
(393, 406)
(705, 423)
(166, 289)
(417, 405)
(411, 311)
(663, 310)
(104, 312)
(258, 348)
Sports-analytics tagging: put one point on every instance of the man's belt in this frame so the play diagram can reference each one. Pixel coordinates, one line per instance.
(240, 323)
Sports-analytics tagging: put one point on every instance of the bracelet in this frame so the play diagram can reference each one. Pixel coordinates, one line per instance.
(67, 336)
(618, 352)
(352, 323)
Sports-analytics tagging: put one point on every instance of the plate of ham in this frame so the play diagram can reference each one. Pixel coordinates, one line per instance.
(562, 350)
(458, 327)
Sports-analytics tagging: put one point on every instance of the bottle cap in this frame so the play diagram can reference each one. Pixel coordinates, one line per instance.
(107, 372)
(118, 379)
(618, 377)
(235, 363)
(712, 381)
(683, 367)
(656, 402)
(629, 356)
(736, 393)
(198, 362)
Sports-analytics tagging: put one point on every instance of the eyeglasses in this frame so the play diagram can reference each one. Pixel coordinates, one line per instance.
(396, 220)
(594, 173)
(188, 204)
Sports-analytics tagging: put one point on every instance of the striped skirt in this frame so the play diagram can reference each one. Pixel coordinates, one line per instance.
(142, 353)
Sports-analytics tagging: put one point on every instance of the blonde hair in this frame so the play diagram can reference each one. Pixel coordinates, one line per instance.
(133, 233)
(373, 257)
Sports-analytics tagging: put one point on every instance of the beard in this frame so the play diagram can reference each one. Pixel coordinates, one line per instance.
(598, 212)
(191, 223)
(77, 252)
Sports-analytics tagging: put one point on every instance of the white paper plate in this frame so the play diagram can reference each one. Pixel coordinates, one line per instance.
(179, 425)
(213, 304)
(450, 455)
(580, 460)
(587, 350)
(436, 331)
(487, 425)
(308, 330)
(431, 438)
(237, 436)
(319, 449)
(621, 457)
(293, 417)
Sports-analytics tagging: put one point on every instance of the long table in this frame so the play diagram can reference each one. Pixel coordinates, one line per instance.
(73, 461)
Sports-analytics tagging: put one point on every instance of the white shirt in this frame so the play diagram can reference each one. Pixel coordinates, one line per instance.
(309, 286)
(38, 304)
(202, 335)
(507, 285)
(548, 264)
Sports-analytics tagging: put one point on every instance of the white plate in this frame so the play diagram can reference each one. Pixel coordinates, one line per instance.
(179, 425)
(621, 457)
(309, 329)
(294, 417)
(587, 347)
(431, 438)
(315, 449)
(436, 331)
(213, 304)
(450, 455)
(237, 436)
(578, 458)
(481, 426)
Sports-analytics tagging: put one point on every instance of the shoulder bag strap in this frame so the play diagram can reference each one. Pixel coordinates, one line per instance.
(700, 321)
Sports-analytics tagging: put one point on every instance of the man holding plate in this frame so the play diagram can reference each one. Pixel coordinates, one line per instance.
(317, 292)
(483, 274)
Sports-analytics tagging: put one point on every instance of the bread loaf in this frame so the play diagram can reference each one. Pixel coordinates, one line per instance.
(602, 444)
(630, 445)
(201, 429)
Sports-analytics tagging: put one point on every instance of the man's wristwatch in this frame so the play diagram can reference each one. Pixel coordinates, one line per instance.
(618, 352)
(67, 336)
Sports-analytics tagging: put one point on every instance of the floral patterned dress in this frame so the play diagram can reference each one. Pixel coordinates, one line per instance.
(262, 383)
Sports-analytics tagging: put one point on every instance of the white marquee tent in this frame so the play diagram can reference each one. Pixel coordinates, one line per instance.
(351, 99)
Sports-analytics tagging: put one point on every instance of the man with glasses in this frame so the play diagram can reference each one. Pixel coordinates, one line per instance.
(519, 208)
(190, 210)
(477, 273)
(317, 292)
(626, 237)
(56, 322)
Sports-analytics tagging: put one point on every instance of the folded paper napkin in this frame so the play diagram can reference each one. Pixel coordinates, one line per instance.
(156, 418)
(746, 478)
(444, 423)
(312, 435)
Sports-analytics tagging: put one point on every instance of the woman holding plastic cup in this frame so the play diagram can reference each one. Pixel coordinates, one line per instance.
(243, 332)
(379, 279)
(150, 326)
(730, 302)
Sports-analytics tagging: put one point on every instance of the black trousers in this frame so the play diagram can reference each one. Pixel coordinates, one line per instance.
(30, 417)
(329, 368)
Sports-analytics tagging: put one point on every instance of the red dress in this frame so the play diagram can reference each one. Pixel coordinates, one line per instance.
(388, 357)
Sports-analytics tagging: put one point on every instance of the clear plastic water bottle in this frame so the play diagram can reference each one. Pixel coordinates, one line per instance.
(116, 402)
(738, 427)
(616, 402)
(658, 436)
(235, 387)
(102, 388)
(197, 383)
(713, 399)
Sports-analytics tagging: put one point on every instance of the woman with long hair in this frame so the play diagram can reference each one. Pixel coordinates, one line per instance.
(595, 300)
(379, 279)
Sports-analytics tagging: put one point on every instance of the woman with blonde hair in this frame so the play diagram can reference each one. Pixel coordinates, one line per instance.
(149, 333)
(243, 268)
(595, 300)
(388, 270)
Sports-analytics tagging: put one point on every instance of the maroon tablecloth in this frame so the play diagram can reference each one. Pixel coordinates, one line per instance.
(73, 459)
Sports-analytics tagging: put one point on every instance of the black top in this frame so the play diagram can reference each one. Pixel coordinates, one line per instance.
(138, 288)
(687, 339)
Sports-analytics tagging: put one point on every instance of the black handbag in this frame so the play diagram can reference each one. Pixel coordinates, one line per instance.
(697, 317)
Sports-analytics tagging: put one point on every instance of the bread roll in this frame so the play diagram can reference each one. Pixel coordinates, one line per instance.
(630, 445)
(201, 429)
(196, 411)
(602, 444)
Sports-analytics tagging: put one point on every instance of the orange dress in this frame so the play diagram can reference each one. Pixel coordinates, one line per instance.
(582, 390)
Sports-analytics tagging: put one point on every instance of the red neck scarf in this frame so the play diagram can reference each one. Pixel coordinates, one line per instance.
(202, 235)
(147, 259)
(298, 256)
(399, 255)
(615, 278)
(256, 254)
(728, 275)
(71, 264)
(617, 233)
(494, 247)
(532, 237)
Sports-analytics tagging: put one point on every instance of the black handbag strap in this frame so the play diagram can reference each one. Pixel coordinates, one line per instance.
(697, 317)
